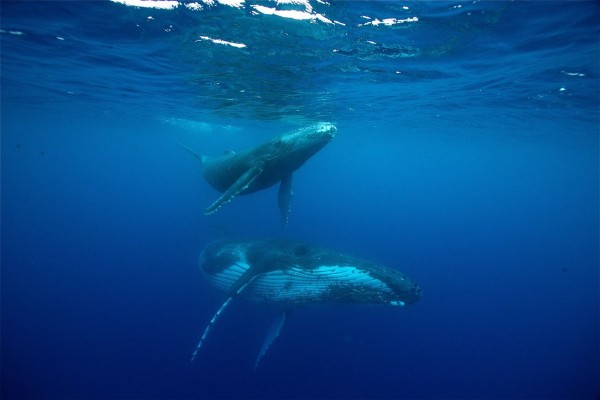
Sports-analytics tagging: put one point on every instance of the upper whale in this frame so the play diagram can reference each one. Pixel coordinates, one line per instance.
(244, 172)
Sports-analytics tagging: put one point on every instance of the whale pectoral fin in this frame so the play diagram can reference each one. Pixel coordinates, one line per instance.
(272, 334)
(285, 198)
(218, 314)
(238, 186)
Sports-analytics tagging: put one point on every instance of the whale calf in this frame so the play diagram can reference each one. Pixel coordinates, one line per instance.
(245, 172)
(290, 274)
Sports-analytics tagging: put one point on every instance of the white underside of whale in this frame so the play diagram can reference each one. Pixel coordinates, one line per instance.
(297, 285)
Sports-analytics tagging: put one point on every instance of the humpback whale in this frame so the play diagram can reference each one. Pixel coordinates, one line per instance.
(245, 172)
(290, 274)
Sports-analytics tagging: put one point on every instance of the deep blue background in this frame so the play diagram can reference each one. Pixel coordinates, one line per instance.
(480, 185)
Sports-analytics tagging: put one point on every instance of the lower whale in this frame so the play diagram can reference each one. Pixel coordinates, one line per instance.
(291, 274)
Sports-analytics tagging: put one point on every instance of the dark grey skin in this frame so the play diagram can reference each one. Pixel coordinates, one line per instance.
(245, 172)
(293, 274)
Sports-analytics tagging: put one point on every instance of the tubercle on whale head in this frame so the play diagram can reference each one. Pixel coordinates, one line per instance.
(323, 132)
(305, 142)
(319, 133)
(324, 129)
(410, 295)
(404, 290)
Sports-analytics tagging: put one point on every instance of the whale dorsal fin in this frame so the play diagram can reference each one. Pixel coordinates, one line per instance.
(192, 152)
(238, 186)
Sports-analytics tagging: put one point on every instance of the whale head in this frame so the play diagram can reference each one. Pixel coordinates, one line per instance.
(301, 144)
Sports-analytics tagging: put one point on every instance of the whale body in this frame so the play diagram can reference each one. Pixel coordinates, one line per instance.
(291, 274)
(245, 172)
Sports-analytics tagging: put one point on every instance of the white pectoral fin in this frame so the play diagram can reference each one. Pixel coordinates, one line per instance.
(285, 198)
(272, 334)
(213, 320)
(238, 186)
(209, 326)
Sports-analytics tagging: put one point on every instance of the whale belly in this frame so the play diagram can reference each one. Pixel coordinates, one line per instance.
(295, 285)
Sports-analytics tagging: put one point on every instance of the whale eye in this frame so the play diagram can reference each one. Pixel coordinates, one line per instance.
(300, 251)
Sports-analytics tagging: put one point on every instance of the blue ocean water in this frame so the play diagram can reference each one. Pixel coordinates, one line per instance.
(466, 157)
